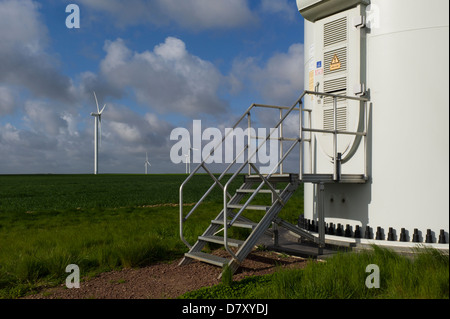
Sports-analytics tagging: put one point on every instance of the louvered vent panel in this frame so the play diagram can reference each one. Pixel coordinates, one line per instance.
(342, 118)
(335, 37)
(335, 85)
(328, 120)
(328, 101)
(335, 32)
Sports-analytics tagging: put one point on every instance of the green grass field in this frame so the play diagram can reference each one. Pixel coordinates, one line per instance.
(343, 277)
(22, 193)
(108, 222)
(100, 223)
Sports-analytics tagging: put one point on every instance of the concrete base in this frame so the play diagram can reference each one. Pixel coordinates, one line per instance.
(292, 244)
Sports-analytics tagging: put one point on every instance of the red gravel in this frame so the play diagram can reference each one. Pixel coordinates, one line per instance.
(166, 280)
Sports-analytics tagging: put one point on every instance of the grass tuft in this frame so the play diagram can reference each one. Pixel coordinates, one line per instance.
(426, 276)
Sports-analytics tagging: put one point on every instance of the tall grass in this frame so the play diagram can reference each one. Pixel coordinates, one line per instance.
(117, 239)
(343, 276)
(99, 222)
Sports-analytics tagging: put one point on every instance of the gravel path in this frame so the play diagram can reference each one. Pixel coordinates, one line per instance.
(167, 280)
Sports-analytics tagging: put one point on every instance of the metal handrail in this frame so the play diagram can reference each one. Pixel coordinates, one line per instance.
(265, 180)
(336, 132)
(182, 219)
(300, 140)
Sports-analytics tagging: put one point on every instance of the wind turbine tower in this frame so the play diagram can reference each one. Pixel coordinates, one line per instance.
(146, 163)
(188, 159)
(98, 124)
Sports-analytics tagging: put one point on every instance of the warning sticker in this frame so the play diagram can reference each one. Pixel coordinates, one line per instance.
(335, 63)
(311, 80)
(311, 83)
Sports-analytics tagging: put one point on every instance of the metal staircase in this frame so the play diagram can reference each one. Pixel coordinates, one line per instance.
(256, 183)
(242, 247)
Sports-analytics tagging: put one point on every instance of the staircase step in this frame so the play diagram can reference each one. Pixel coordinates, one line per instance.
(208, 258)
(220, 240)
(236, 224)
(262, 191)
(249, 207)
(275, 178)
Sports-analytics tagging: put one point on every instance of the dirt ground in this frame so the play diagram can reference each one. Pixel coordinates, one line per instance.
(167, 280)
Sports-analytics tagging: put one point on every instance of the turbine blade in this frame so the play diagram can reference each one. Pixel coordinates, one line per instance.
(96, 102)
(102, 109)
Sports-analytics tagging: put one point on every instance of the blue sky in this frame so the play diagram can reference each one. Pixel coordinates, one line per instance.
(157, 64)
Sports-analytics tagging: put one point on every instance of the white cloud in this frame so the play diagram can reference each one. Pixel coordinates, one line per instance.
(171, 50)
(15, 143)
(208, 14)
(117, 55)
(126, 132)
(167, 79)
(190, 14)
(10, 134)
(43, 118)
(279, 80)
(72, 123)
(122, 124)
(283, 7)
(23, 56)
(62, 142)
(21, 26)
(54, 137)
(6, 101)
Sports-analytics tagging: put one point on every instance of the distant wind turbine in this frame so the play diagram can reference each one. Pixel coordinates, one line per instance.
(146, 163)
(187, 162)
(188, 159)
(98, 124)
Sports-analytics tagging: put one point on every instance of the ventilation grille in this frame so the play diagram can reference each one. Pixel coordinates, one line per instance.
(335, 32)
(328, 119)
(328, 101)
(335, 36)
(335, 85)
(341, 54)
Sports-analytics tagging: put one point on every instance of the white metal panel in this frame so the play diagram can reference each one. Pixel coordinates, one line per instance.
(339, 51)
(408, 79)
(314, 10)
